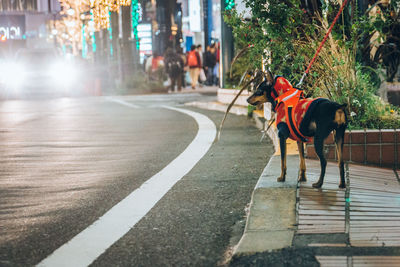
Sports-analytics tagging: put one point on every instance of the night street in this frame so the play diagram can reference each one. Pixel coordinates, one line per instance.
(66, 162)
(111, 152)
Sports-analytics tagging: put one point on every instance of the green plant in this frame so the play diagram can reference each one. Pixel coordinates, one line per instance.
(284, 36)
(277, 33)
(250, 110)
(379, 26)
(337, 75)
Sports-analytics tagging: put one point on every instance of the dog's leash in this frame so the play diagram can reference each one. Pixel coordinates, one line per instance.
(265, 131)
(322, 44)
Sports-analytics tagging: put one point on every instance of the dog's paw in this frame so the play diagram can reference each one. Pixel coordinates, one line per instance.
(342, 185)
(302, 177)
(317, 185)
(281, 179)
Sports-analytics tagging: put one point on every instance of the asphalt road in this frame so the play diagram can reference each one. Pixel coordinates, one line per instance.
(66, 162)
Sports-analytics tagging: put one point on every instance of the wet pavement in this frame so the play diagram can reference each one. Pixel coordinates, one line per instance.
(65, 162)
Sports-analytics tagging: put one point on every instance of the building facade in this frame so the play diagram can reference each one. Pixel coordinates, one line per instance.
(26, 23)
(201, 22)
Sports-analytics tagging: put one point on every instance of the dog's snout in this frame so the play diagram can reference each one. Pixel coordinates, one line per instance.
(250, 100)
(256, 99)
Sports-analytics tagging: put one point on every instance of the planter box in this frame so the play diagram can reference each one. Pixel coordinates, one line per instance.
(226, 96)
(372, 147)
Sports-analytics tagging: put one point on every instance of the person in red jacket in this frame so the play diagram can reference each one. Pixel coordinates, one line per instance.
(194, 63)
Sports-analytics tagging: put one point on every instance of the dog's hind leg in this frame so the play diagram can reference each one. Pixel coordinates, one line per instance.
(302, 169)
(319, 149)
(339, 140)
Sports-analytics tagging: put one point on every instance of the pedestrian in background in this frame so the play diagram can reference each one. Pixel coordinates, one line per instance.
(210, 60)
(174, 68)
(199, 49)
(202, 75)
(194, 64)
(182, 55)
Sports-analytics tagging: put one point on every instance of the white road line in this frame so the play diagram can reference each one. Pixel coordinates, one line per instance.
(125, 103)
(85, 247)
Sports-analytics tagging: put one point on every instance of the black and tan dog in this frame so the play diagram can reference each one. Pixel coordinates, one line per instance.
(302, 120)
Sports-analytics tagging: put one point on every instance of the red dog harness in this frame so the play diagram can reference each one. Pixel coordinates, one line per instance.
(291, 107)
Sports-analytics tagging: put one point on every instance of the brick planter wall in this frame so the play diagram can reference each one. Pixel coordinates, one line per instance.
(371, 147)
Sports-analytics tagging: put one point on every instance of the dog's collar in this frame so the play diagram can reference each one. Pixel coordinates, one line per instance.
(273, 88)
(274, 94)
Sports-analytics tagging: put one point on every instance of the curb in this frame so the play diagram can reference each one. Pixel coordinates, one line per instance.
(271, 221)
(225, 96)
(238, 110)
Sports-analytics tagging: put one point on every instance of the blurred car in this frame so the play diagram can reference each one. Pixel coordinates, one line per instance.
(3, 60)
(38, 73)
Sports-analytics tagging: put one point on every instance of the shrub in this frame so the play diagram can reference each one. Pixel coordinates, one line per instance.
(285, 36)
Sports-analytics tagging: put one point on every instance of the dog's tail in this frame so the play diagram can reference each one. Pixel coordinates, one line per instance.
(340, 115)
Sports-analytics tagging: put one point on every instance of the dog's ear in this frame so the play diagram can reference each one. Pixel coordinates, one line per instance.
(269, 78)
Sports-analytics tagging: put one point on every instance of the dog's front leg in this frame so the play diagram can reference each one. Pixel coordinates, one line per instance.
(302, 169)
(282, 145)
(319, 149)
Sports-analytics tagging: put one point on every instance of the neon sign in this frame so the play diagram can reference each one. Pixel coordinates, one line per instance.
(12, 26)
(13, 32)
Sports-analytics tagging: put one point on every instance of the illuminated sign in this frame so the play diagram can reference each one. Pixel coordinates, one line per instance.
(11, 32)
(12, 26)
(195, 15)
(145, 38)
(145, 34)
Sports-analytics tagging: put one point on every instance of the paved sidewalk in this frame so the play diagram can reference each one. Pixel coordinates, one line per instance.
(364, 219)
(290, 223)
(356, 226)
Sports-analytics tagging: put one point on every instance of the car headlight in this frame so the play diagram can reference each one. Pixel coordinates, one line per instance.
(12, 74)
(63, 74)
